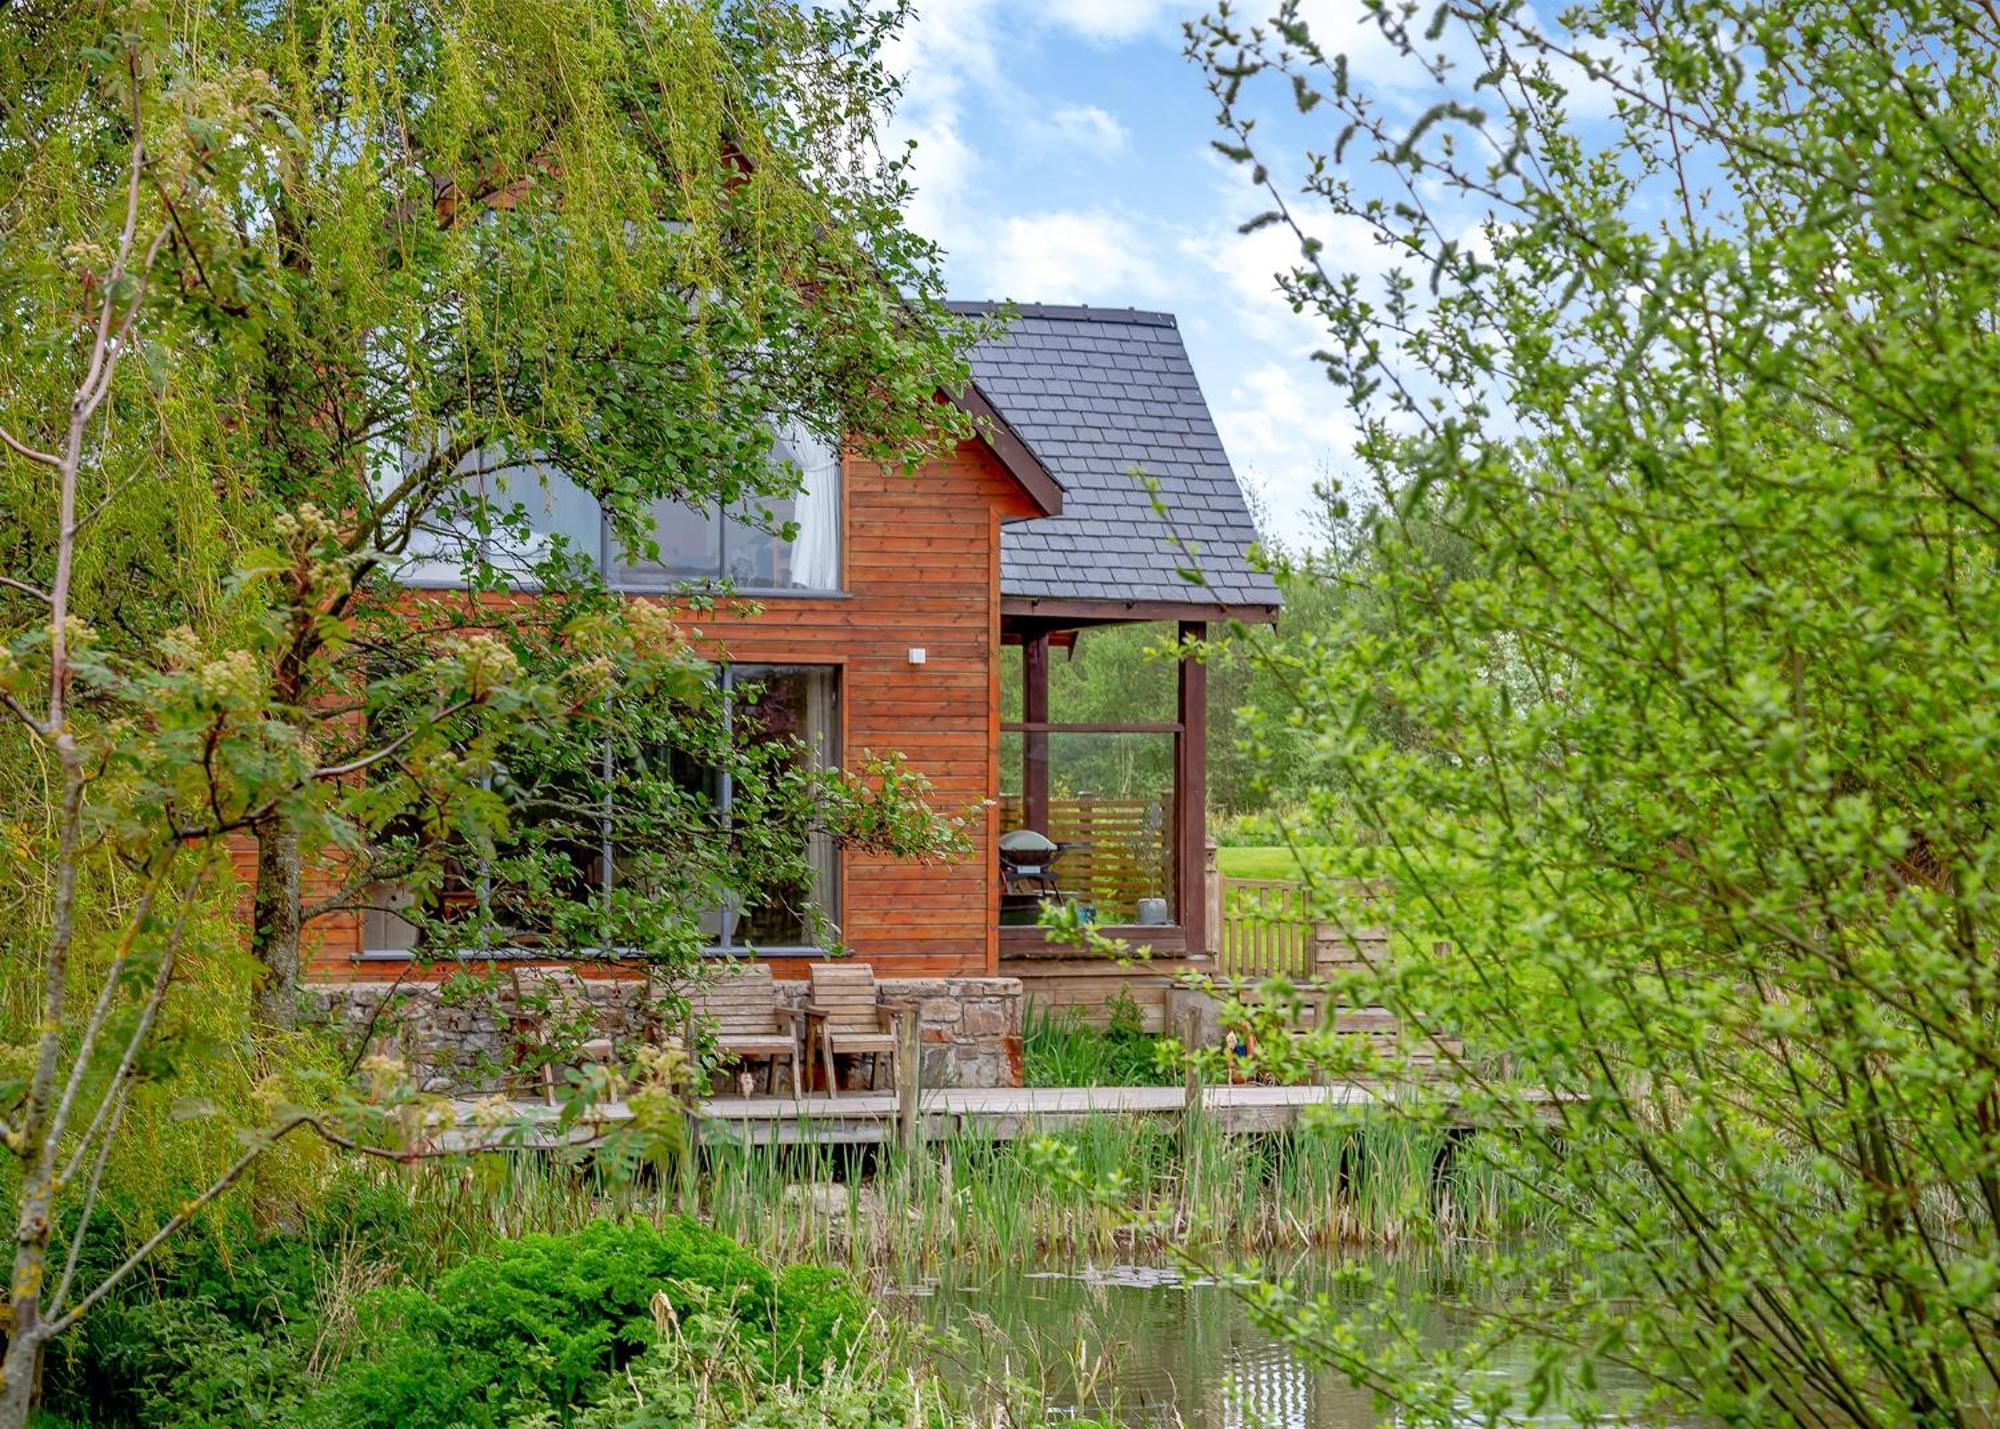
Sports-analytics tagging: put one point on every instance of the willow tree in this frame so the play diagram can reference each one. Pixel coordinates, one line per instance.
(623, 244)
(1687, 341)
(281, 286)
(607, 249)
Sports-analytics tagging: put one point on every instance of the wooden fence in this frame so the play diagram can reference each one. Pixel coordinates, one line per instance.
(1120, 850)
(1266, 929)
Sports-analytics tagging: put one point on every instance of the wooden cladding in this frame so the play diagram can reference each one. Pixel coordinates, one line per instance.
(921, 564)
(922, 569)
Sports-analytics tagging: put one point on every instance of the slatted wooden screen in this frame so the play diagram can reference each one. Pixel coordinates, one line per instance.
(1123, 851)
(1265, 929)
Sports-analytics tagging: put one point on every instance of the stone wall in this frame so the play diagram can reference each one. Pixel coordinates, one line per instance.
(458, 1038)
(970, 1028)
(467, 1041)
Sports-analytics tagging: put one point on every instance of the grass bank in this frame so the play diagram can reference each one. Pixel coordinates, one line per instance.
(1274, 861)
(344, 1315)
(517, 1290)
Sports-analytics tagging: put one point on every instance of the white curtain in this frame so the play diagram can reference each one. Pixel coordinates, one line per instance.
(816, 552)
(822, 731)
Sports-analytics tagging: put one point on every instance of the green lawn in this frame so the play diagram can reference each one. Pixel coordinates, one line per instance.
(1273, 861)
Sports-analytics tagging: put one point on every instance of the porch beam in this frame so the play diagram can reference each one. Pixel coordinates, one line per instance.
(1079, 611)
(1018, 726)
(1191, 788)
(1035, 741)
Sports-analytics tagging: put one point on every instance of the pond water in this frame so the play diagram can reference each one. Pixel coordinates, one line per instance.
(1145, 1346)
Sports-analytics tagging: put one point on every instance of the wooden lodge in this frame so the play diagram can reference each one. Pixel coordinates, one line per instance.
(889, 624)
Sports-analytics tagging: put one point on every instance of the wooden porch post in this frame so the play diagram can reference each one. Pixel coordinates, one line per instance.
(1191, 792)
(1035, 743)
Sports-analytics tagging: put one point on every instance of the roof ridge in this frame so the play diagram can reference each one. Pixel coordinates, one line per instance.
(1077, 312)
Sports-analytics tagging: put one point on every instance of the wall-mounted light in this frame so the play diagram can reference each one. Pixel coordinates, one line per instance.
(916, 654)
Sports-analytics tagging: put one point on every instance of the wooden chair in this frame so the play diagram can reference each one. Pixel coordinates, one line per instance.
(750, 1022)
(845, 1018)
(546, 1003)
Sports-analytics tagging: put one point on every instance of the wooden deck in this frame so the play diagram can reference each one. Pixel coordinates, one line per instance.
(868, 1118)
(1001, 1114)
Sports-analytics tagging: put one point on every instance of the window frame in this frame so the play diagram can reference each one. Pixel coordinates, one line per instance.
(727, 946)
(619, 576)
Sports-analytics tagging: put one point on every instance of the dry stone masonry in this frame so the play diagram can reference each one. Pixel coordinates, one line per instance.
(455, 1037)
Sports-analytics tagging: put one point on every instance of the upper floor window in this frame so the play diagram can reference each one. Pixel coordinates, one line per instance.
(745, 546)
(711, 544)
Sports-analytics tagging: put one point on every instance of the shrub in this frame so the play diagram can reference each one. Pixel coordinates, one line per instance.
(540, 1322)
(168, 1348)
(182, 1364)
(816, 1321)
(1060, 1049)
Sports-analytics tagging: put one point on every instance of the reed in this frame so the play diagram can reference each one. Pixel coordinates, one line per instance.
(1111, 1185)
(1060, 1049)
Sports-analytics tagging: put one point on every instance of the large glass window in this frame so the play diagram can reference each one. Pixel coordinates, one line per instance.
(709, 544)
(468, 520)
(787, 712)
(1109, 815)
(744, 546)
(795, 707)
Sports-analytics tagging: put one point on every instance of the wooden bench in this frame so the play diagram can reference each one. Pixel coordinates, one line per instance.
(742, 1009)
(846, 1018)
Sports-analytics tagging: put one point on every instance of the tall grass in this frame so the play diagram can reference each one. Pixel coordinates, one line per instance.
(1110, 1186)
(1060, 1049)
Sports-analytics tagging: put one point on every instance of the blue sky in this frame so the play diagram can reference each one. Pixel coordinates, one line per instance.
(1063, 157)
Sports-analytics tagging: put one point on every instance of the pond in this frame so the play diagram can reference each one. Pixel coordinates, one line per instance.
(1146, 1346)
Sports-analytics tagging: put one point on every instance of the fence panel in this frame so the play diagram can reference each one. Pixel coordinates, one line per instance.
(1266, 929)
(1119, 851)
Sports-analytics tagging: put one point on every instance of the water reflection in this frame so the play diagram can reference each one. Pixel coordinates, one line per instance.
(1150, 1348)
(1145, 1345)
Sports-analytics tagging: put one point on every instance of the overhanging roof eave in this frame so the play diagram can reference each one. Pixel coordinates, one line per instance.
(1052, 610)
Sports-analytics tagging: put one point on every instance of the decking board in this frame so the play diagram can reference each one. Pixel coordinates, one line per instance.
(999, 1114)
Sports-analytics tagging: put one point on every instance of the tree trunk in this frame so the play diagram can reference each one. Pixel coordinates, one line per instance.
(274, 934)
(20, 1372)
(41, 1130)
(17, 1394)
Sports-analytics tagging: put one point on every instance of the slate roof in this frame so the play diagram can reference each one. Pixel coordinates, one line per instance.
(1097, 393)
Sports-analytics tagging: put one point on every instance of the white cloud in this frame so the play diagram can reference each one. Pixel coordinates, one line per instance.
(1071, 257)
(1248, 263)
(1088, 127)
(1112, 20)
(943, 55)
(1286, 429)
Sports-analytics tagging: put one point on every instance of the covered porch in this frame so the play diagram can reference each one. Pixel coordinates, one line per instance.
(1107, 817)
